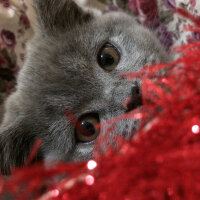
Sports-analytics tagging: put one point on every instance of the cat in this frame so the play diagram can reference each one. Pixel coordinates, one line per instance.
(73, 66)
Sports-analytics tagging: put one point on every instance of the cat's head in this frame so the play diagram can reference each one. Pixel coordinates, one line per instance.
(72, 71)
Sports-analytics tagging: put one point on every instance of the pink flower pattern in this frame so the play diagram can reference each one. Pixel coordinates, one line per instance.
(9, 44)
(168, 26)
(8, 38)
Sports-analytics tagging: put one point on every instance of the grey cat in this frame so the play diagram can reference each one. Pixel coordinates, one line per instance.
(74, 64)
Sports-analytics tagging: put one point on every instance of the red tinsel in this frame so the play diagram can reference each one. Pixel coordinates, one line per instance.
(161, 163)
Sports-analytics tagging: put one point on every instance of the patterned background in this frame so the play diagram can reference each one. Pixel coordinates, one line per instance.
(17, 20)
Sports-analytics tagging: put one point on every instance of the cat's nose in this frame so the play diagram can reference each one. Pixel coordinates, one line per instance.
(135, 99)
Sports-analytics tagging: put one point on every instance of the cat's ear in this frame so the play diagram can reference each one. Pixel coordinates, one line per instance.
(60, 15)
(16, 143)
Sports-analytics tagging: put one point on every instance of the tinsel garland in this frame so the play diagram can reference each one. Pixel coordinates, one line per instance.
(161, 163)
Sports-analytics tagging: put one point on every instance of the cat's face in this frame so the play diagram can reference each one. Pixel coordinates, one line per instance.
(73, 70)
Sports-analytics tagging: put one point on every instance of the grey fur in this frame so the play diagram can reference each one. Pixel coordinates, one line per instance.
(61, 73)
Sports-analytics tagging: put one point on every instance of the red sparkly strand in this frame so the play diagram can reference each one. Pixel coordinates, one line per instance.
(189, 16)
(34, 151)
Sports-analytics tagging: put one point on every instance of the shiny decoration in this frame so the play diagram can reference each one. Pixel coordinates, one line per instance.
(89, 180)
(195, 129)
(91, 164)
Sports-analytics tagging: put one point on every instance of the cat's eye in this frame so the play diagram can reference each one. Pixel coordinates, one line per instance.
(108, 57)
(86, 129)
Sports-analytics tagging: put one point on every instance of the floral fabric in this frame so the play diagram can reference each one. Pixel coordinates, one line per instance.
(159, 16)
(15, 30)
